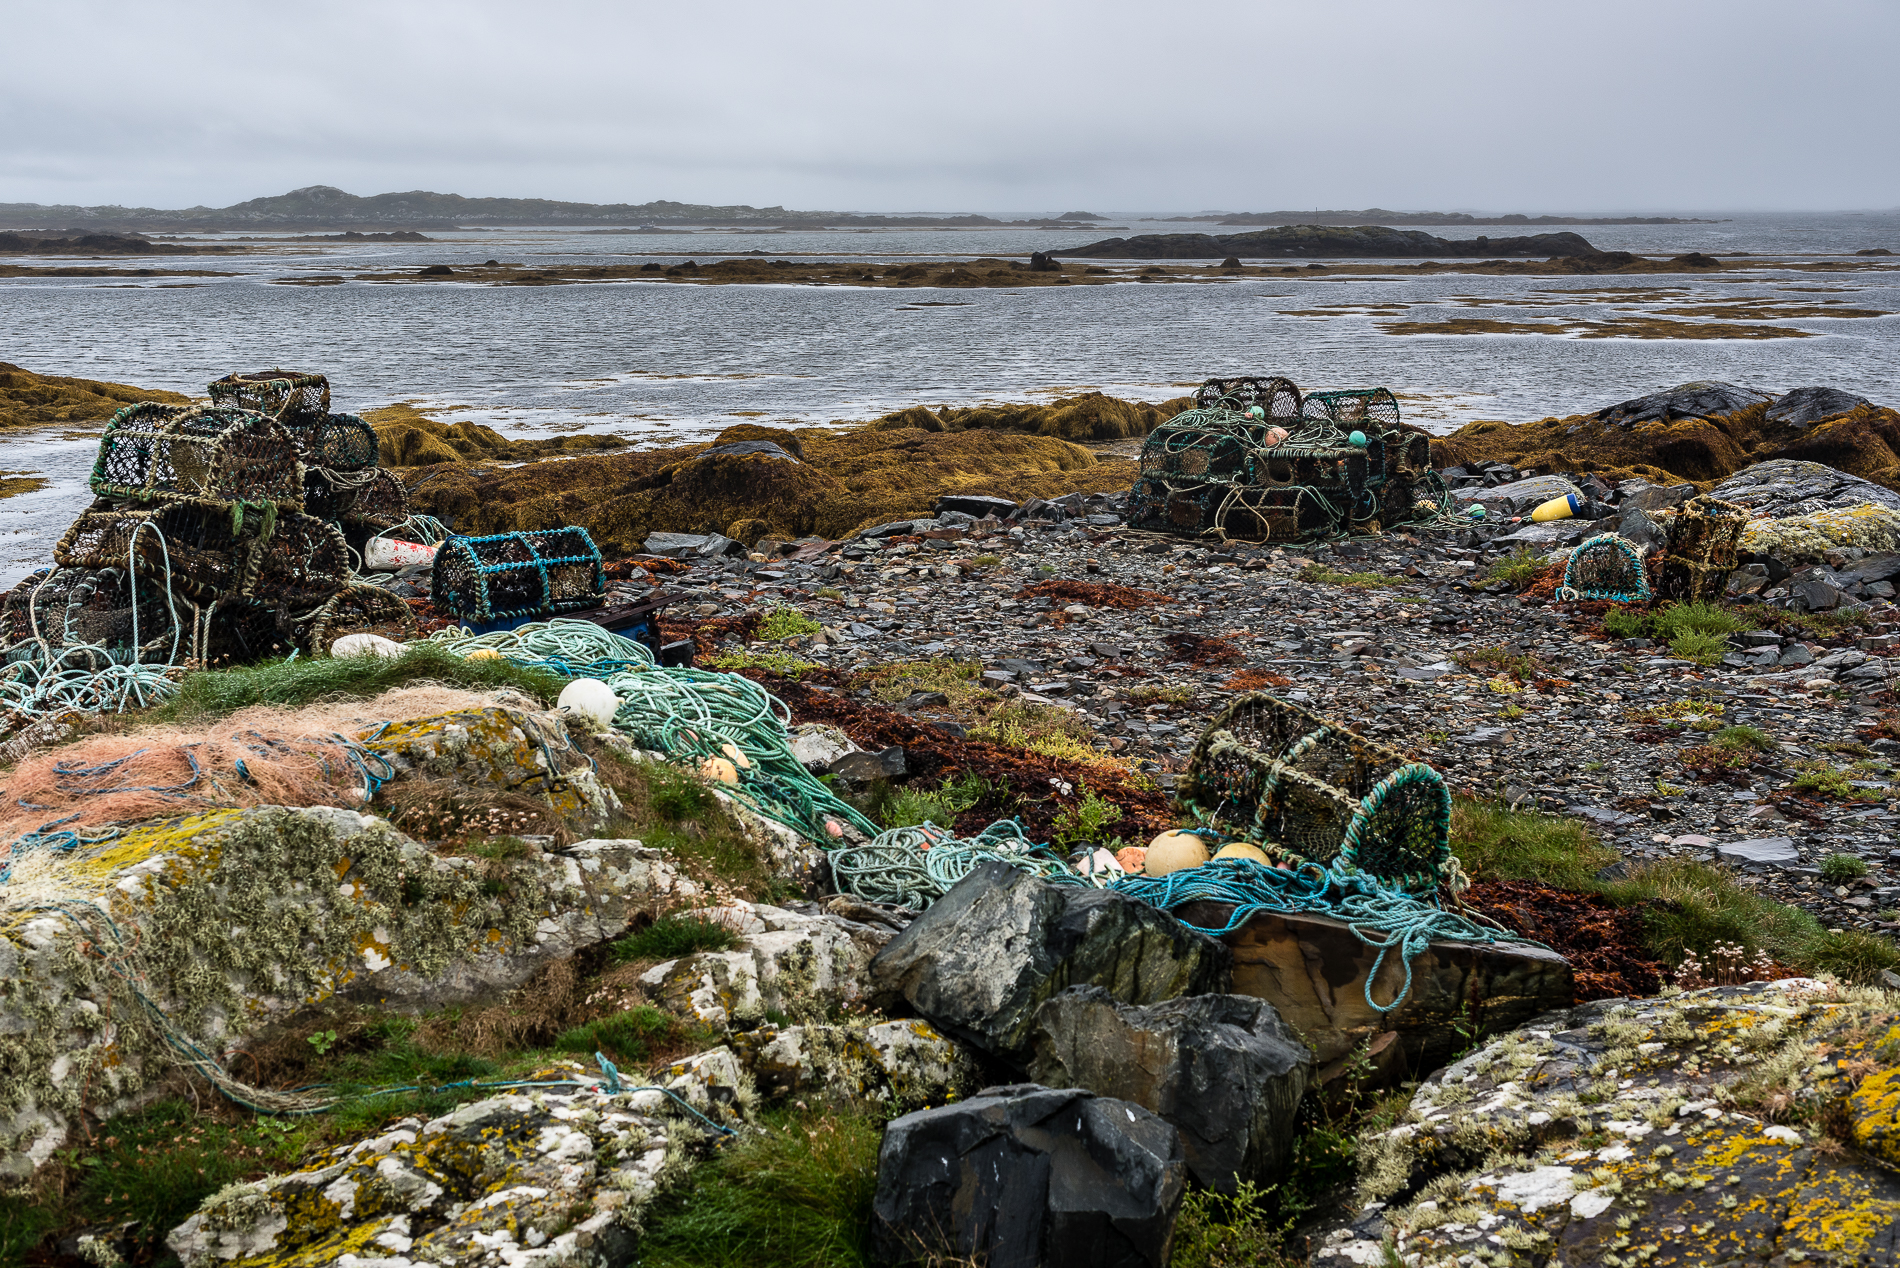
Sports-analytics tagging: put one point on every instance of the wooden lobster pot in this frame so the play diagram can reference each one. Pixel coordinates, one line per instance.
(1313, 969)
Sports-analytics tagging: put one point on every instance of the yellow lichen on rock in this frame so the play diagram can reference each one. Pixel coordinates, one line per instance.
(1810, 537)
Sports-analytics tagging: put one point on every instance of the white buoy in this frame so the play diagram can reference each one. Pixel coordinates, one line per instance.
(591, 699)
(1172, 851)
(365, 645)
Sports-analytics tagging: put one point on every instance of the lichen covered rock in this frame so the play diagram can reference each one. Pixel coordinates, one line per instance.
(906, 1063)
(510, 749)
(540, 1178)
(1689, 1129)
(232, 920)
(799, 966)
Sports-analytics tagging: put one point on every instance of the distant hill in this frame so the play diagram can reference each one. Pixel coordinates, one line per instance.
(325, 206)
(1380, 216)
(1295, 241)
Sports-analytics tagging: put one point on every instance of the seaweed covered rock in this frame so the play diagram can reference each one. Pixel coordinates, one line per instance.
(232, 920)
(1091, 416)
(44, 400)
(505, 749)
(1699, 432)
(553, 1178)
(1029, 1177)
(405, 437)
(846, 480)
(894, 1062)
(790, 964)
(989, 953)
(1224, 1069)
(1724, 1125)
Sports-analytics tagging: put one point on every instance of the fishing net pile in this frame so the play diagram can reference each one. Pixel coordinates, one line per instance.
(219, 532)
(1254, 460)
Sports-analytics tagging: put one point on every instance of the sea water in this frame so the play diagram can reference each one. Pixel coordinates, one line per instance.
(662, 362)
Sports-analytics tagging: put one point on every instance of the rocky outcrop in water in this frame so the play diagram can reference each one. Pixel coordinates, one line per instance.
(1316, 241)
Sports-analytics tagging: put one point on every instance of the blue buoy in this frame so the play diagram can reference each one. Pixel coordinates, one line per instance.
(1257, 412)
(1358, 438)
(1477, 511)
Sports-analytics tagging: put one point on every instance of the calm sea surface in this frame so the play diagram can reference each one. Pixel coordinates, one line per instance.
(663, 362)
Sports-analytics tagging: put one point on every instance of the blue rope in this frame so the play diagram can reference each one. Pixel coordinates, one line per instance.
(1379, 916)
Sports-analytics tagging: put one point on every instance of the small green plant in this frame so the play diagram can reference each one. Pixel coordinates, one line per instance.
(1045, 570)
(1816, 776)
(676, 795)
(1593, 765)
(1496, 843)
(1516, 570)
(783, 664)
(1703, 649)
(1217, 1231)
(631, 1035)
(783, 623)
(1622, 622)
(1511, 711)
(910, 807)
(1083, 822)
(1505, 663)
(1321, 575)
(671, 937)
(322, 1041)
(827, 592)
(1146, 694)
(1664, 789)
(1841, 868)
(985, 561)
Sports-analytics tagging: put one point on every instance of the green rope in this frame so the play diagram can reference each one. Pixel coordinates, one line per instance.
(913, 867)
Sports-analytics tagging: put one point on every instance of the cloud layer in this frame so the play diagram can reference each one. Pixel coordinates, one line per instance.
(985, 105)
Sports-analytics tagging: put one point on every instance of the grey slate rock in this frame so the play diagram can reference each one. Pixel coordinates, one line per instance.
(1224, 1069)
(1702, 399)
(1873, 568)
(986, 955)
(1782, 487)
(1807, 405)
(1796, 655)
(977, 504)
(1774, 851)
(865, 767)
(741, 448)
(1566, 532)
(1023, 1176)
(1641, 495)
(900, 528)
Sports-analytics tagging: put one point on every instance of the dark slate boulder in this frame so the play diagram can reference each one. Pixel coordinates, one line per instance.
(1224, 1069)
(977, 504)
(1807, 405)
(987, 954)
(742, 448)
(1705, 399)
(1029, 1177)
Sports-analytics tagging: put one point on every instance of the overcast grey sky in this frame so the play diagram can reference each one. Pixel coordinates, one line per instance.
(1015, 105)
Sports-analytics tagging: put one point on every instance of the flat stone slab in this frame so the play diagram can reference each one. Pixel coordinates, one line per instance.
(1313, 969)
(1775, 851)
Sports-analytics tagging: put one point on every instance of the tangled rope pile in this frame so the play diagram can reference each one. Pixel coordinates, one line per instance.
(1381, 917)
(913, 867)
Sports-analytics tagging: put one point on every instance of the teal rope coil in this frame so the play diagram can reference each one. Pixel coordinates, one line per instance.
(687, 714)
(1381, 917)
(913, 867)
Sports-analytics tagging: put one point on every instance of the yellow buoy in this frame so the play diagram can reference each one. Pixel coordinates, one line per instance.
(1557, 509)
(1243, 850)
(1172, 851)
(483, 653)
(738, 759)
(719, 770)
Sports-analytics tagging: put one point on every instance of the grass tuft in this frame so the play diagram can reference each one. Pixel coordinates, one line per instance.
(1495, 843)
(213, 693)
(671, 937)
(1841, 868)
(797, 1195)
(1743, 737)
(783, 623)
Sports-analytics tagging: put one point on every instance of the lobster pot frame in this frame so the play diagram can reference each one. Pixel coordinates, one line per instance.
(288, 395)
(509, 575)
(209, 550)
(1277, 397)
(1294, 475)
(336, 442)
(241, 631)
(1606, 566)
(1267, 770)
(91, 608)
(327, 497)
(356, 608)
(302, 561)
(1703, 535)
(380, 505)
(152, 452)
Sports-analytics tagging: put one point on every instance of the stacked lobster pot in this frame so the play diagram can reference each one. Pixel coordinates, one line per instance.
(218, 533)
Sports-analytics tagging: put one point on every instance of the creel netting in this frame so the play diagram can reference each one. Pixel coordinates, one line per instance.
(151, 452)
(290, 395)
(1268, 771)
(1703, 534)
(1605, 567)
(509, 575)
(212, 550)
